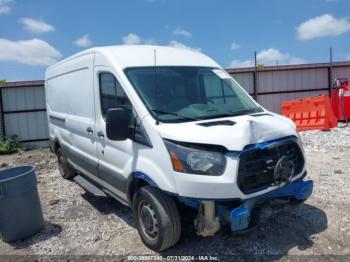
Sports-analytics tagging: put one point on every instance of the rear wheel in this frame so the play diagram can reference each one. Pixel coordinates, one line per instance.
(66, 170)
(157, 218)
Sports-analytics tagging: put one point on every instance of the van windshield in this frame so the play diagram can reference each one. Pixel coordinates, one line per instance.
(179, 94)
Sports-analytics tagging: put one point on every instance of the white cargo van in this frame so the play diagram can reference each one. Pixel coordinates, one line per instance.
(159, 127)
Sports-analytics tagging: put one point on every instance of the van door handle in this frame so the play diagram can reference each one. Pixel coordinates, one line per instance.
(89, 130)
(100, 135)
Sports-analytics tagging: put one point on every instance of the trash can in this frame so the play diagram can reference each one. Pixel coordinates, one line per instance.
(20, 209)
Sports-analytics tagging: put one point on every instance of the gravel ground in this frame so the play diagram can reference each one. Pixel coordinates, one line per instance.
(78, 223)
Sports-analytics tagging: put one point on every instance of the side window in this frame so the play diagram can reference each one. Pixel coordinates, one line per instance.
(112, 94)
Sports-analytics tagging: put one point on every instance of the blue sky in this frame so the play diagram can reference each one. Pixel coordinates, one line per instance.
(37, 33)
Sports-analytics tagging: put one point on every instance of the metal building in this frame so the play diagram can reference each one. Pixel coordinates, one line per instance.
(273, 84)
(23, 111)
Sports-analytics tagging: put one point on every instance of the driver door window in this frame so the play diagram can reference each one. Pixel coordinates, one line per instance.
(112, 94)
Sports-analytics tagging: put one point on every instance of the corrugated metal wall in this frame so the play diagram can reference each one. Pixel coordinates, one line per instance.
(246, 80)
(339, 72)
(272, 102)
(273, 82)
(23, 110)
(24, 113)
(2, 127)
(278, 83)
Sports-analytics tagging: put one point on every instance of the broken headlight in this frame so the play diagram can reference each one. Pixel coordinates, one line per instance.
(195, 161)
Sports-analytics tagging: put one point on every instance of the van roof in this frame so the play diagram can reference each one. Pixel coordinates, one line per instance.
(147, 55)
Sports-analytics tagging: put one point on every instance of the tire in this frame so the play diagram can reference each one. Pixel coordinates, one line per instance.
(66, 170)
(166, 230)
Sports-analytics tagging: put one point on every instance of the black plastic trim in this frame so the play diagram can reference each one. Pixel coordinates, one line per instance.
(34, 140)
(25, 111)
(200, 146)
(217, 123)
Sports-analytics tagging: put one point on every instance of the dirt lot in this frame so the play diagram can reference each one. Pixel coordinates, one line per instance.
(78, 223)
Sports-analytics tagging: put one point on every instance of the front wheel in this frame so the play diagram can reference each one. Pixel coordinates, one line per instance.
(157, 218)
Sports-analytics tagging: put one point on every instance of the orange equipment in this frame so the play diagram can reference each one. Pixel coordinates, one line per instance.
(341, 99)
(310, 113)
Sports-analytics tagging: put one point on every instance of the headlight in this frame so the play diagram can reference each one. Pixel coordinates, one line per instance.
(195, 161)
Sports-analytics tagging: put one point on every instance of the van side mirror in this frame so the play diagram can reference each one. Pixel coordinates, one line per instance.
(118, 124)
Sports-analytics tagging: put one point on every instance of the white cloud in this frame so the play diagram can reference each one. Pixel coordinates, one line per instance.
(235, 46)
(83, 41)
(182, 32)
(131, 39)
(30, 52)
(269, 56)
(177, 44)
(134, 39)
(241, 63)
(296, 61)
(150, 41)
(5, 6)
(36, 26)
(348, 57)
(273, 56)
(322, 26)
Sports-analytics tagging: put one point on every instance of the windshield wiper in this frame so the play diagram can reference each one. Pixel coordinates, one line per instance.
(247, 111)
(238, 113)
(218, 116)
(174, 114)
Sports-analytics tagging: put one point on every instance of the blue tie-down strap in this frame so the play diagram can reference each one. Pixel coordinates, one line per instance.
(240, 216)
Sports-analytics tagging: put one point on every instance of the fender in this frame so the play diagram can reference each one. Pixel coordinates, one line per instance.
(134, 181)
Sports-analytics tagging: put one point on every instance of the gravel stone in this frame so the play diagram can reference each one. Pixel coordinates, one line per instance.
(78, 223)
(54, 202)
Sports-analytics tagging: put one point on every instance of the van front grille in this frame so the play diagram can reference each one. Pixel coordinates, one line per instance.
(257, 165)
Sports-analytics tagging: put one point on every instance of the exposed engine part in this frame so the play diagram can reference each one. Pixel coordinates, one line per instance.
(206, 223)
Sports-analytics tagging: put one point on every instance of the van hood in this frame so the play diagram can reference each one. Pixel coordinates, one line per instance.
(234, 133)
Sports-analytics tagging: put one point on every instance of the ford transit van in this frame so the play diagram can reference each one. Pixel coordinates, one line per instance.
(159, 127)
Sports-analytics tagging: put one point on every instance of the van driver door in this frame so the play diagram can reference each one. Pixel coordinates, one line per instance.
(115, 157)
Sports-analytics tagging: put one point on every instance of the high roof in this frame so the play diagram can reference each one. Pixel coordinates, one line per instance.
(147, 55)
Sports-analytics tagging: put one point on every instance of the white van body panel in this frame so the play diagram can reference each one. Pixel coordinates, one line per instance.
(235, 138)
(71, 109)
(139, 56)
(247, 130)
(73, 106)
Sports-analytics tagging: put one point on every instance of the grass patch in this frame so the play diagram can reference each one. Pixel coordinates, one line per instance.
(9, 145)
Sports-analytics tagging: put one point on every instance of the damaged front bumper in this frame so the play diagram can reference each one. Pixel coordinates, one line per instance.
(243, 215)
(262, 207)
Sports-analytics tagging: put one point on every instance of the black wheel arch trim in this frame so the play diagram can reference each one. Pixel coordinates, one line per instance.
(133, 183)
